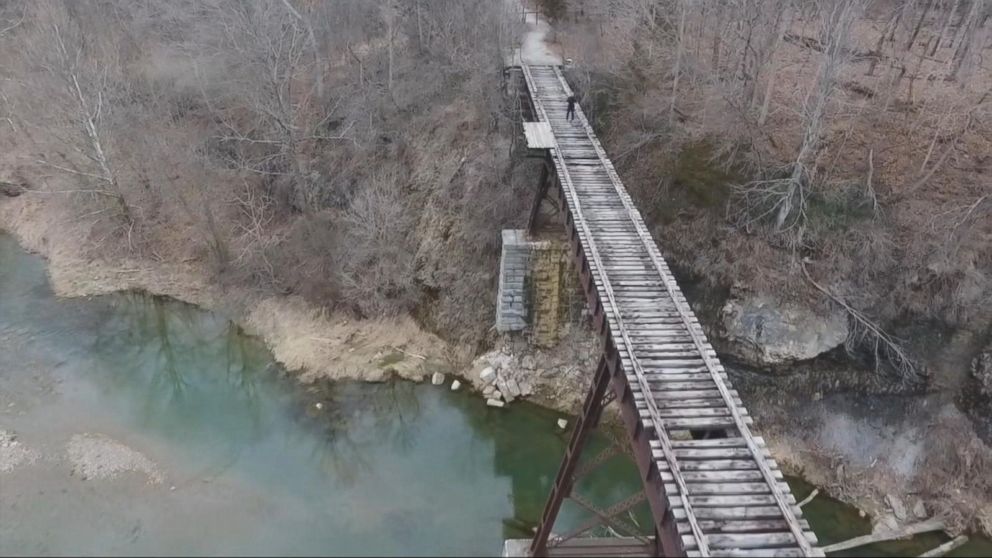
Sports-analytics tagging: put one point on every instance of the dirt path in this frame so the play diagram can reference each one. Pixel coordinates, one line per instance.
(534, 48)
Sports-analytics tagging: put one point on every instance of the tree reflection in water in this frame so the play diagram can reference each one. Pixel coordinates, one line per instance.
(357, 420)
(188, 365)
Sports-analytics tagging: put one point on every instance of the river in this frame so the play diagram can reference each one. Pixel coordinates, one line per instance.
(148, 426)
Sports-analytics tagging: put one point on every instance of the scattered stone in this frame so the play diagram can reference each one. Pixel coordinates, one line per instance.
(172, 488)
(528, 363)
(497, 394)
(319, 405)
(455, 385)
(887, 523)
(526, 389)
(898, 509)
(488, 375)
(513, 389)
(437, 379)
(501, 384)
(861, 513)
(488, 390)
(562, 424)
(500, 360)
(920, 510)
(494, 403)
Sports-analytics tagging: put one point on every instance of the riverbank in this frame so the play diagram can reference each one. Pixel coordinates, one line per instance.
(309, 342)
(138, 425)
(199, 441)
(814, 436)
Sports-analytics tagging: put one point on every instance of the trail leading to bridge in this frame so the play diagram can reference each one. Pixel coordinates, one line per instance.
(726, 494)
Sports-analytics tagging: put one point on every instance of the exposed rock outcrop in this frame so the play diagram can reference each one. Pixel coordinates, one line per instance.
(762, 331)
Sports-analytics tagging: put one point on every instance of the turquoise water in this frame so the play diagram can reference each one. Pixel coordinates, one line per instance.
(392, 468)
(250, 465)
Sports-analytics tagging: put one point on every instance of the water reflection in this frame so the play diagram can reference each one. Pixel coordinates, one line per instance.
(391, 468)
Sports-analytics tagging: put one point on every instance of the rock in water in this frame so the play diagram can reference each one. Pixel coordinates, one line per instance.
(488, 375)
(562, 424)
(494, 403)
(455, 385)
(763, 331)
(437, 379)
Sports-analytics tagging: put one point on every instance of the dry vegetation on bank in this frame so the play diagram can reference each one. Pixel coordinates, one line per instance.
(852, 135)
(823, 153)
(358, 154)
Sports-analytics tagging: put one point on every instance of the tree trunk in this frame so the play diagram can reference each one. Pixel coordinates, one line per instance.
(893, 22)
(947, 24)
(678, 63)
(919, 23)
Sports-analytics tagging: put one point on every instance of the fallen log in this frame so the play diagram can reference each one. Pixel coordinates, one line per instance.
(887, 535)
(945, 548)
(809, 498)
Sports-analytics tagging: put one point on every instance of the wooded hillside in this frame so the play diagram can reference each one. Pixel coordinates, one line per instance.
(357, 153)
(850, 135)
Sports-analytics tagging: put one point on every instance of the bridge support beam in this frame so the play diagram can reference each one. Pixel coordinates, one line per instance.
(564, 482)
(538, 214)
(666, 540)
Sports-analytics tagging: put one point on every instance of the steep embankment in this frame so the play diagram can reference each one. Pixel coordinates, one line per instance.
(315, 344)
(807, 232)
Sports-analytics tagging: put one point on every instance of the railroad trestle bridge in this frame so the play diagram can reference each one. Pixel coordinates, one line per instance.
(711, 485)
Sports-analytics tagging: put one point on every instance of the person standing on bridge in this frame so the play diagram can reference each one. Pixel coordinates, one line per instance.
(570, 113)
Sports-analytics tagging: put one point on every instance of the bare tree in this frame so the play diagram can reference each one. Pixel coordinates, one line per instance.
(87, 84)
(318, 66)
(271, 122)
(785, 198)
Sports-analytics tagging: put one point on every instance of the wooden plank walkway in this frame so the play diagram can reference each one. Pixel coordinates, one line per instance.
(727, 495)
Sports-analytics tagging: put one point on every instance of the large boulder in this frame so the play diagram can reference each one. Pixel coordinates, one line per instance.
(764, 332)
